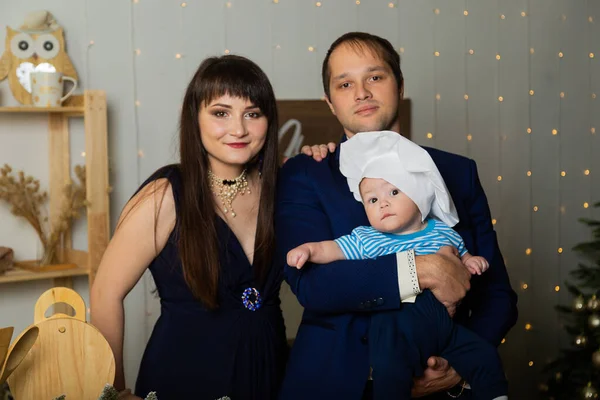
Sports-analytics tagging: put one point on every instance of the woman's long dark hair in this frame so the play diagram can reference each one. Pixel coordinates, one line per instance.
(198, 244)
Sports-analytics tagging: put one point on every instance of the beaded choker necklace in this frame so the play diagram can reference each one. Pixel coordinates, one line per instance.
(226, 190)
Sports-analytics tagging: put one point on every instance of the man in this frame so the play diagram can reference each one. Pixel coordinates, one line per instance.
(363, 85)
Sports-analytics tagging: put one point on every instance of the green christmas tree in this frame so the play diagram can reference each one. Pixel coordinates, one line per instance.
(575, 374)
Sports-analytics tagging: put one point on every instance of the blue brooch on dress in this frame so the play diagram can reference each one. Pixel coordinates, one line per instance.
(250, 304)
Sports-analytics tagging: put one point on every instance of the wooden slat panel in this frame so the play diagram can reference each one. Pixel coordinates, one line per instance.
(97, 177)
(60, 175)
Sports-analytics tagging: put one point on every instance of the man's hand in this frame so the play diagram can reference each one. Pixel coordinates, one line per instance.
(438, 376)
(445, 275)
(318, 151)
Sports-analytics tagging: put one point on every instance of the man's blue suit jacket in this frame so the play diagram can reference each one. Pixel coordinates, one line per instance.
(329, 358)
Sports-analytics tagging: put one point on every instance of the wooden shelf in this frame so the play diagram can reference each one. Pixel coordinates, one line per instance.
(74, 106)
(74, 111)
(19, 275)
(92, 107)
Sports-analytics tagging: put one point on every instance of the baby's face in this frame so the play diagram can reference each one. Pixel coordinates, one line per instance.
(388, 209)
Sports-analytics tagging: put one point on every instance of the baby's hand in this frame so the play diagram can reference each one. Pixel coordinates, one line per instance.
(477, 265)
(297, 257)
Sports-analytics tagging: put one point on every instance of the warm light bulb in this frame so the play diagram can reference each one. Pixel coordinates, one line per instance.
(183, 4)
(554, 132)
(466, 97)
(437, 96)
(557, 288)
(437, 53)
(137, 103)
(523, 14)
(527, 327)
(469, 138)
(528, 251)
(177, 55)
(586, 205)
(436, 11)
(391, 5)
(560, 250)
(499, 178)
(226, 51)
(502, 16)
(429, 135)
(535, 208)
(465, 13)
(531, 92)
(471, 51)
(591, 55)
(401, 50)
(563, 173)
(590, 19)
(318, 4)
(531, 51)
(528, 130)
(310, 48)
(530, 363)
(275, 1)
(501, 99)
(503, 341)
(524, 286)
(560, 54)
(586, 172)
(83, 154)
(494, 221)
(497, 56)
(528, 173)
(592, 130)
(562, 95)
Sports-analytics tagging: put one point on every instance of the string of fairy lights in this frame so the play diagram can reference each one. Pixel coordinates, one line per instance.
(563, 173)
(524, 285)
(468, 52)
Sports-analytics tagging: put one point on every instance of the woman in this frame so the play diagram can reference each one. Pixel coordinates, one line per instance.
(204, 228)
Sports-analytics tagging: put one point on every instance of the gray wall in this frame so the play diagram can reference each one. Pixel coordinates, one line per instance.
(103, 36)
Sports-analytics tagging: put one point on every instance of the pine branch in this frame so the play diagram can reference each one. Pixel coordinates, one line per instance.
(573, 369)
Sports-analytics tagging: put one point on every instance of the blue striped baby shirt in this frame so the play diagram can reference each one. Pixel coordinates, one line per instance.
(367, 242)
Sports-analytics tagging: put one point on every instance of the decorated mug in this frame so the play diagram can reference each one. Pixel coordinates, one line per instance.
(47, 88)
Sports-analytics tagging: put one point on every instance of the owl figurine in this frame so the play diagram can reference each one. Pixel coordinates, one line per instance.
(38, 45)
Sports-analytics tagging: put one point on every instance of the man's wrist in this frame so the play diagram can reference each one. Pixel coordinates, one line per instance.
(457, 390)
(423, 269)
(408, 283)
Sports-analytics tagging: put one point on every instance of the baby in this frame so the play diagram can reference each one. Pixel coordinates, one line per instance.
(408, 207)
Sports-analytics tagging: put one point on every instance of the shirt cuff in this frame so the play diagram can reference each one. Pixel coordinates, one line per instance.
(408, 283)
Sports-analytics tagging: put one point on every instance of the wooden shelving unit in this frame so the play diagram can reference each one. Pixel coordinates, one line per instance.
(92, 107)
